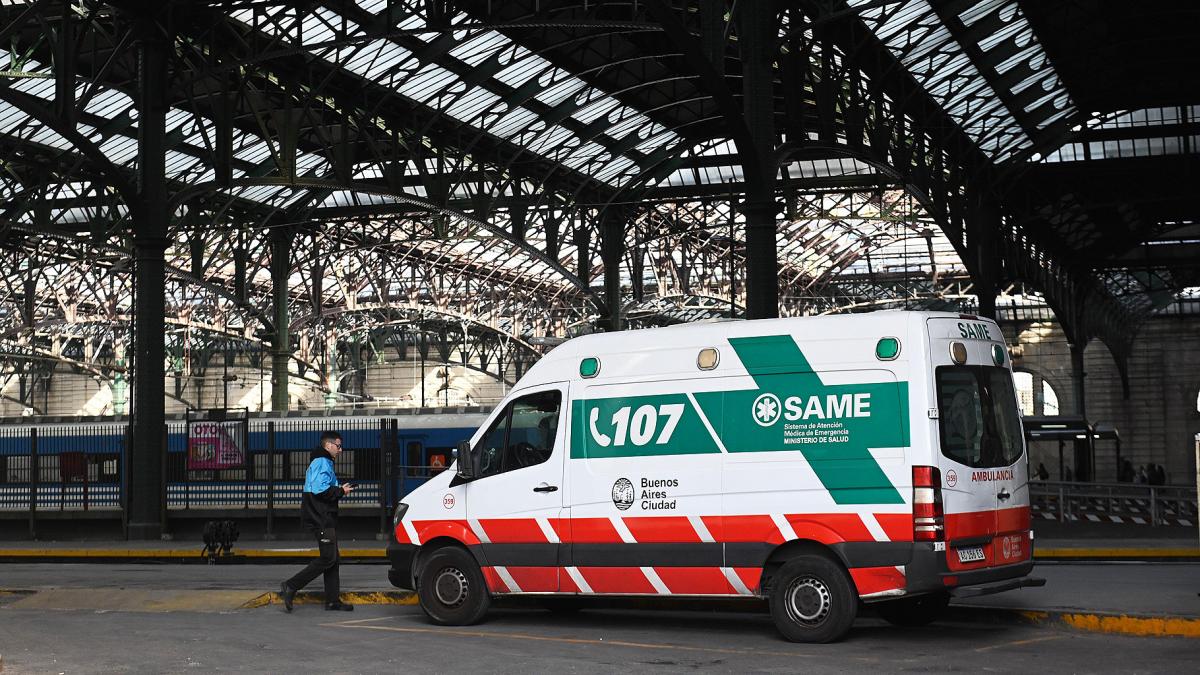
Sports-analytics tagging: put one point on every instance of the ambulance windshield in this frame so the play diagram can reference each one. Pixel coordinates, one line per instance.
(977, 410)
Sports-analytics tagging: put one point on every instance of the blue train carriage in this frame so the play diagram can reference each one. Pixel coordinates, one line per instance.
(420, 446)
(81, 463)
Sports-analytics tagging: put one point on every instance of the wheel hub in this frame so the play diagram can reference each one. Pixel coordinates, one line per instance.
(808, 601)
(451, 587)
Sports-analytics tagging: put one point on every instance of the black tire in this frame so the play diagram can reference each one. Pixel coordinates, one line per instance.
(918, 611)
(451, 588)
(812, 600)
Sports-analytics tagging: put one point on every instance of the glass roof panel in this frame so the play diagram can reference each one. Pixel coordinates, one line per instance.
(917, 36)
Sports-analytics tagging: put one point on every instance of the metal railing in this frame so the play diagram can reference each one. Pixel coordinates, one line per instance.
(1135, 503)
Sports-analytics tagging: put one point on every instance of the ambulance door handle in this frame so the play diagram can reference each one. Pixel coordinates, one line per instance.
(546, 488)
(1003, 494)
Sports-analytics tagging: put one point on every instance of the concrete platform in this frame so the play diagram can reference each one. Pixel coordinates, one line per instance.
(389, 638)
(1129, 598)
(366, 550)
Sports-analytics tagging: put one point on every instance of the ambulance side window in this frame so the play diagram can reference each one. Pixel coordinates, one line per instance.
(491, 446)
(521, 436)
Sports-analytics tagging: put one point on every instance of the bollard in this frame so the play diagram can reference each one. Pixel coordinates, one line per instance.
(34, 478)
(1153, 507)
(270, 534)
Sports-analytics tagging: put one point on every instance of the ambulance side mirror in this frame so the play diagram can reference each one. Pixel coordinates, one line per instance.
(465, 466)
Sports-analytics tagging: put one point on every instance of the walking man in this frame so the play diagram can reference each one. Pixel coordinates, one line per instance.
(318, 512)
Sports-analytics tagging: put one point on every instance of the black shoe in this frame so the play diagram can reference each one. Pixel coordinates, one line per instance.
(338, 607)
(287, 595)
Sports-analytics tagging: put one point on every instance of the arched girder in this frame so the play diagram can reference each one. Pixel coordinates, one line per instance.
(366, 187)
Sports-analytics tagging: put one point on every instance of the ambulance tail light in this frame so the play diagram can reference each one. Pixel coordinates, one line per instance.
(928, 517)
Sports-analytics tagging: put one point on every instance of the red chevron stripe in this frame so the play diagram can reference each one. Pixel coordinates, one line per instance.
(535, 579)
(830, 528)
(494, 583)
(656, 529)
(513, 531)
(455, 529)
(871, 580)
(737, 529)
(617, 580)
(695, 580)
(897, 526)
(593, 531)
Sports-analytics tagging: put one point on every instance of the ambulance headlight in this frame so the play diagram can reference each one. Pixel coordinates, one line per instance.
(958, 353)
(398, 514)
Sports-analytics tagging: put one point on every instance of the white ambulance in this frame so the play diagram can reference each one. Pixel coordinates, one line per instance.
(815, 462)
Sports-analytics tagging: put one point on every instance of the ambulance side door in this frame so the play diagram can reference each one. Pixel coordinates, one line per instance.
(515, 504)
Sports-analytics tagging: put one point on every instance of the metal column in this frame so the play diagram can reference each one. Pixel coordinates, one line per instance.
(757, 34)
(147, 492)
(612, 249)
(281, 349)
(983, 241)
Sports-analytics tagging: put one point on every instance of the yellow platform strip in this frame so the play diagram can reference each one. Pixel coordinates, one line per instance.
(1050, 553)
(1142, 626)
(353, 598)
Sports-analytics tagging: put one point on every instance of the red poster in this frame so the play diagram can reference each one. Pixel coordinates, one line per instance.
(215, 445)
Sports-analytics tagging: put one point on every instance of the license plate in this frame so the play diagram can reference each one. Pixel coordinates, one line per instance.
(973, 554)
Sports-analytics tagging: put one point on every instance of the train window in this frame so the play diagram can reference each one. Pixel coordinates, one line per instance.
(439, 459)
(414, 459)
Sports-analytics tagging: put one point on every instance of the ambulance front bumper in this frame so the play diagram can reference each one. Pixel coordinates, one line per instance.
(401, 558)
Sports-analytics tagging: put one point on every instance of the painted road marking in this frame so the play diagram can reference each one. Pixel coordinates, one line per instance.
(583, 641)
(1018, 643)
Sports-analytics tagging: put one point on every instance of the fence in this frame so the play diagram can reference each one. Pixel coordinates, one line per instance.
(82, 466)
(1138, 504)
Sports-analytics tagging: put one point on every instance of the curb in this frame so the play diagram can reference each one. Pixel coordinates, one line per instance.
(98, 555)
(353, 598)
(1092, 622)
(1117, 554)
(379, 554)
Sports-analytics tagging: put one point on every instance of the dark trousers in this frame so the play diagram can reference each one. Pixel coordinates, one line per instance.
(327, 565)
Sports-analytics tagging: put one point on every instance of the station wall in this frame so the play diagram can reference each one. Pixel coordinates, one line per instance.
(1159, 421)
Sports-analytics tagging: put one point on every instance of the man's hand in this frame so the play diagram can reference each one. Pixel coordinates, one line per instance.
(347, 488)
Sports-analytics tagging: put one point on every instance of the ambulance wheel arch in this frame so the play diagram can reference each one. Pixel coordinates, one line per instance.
(451, 587)
(427, 550)
(796, 548)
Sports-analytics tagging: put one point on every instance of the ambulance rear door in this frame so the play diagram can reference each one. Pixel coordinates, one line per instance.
(981, 446)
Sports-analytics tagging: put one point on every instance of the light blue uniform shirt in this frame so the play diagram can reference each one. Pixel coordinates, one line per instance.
(320, 476)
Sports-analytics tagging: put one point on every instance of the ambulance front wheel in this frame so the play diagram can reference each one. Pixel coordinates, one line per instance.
(451, 588)
(812, 600)
(918, 611)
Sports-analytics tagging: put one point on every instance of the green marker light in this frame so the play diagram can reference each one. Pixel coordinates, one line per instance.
(589, 367)
(887, 349)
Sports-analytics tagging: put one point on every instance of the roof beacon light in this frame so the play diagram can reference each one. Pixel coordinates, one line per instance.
(589, 367)
(998, 355)
(887, 349)
(958, 353)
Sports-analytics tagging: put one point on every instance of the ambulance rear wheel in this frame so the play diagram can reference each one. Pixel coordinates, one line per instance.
(812, 600)
(918, 611)
(451, 588)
